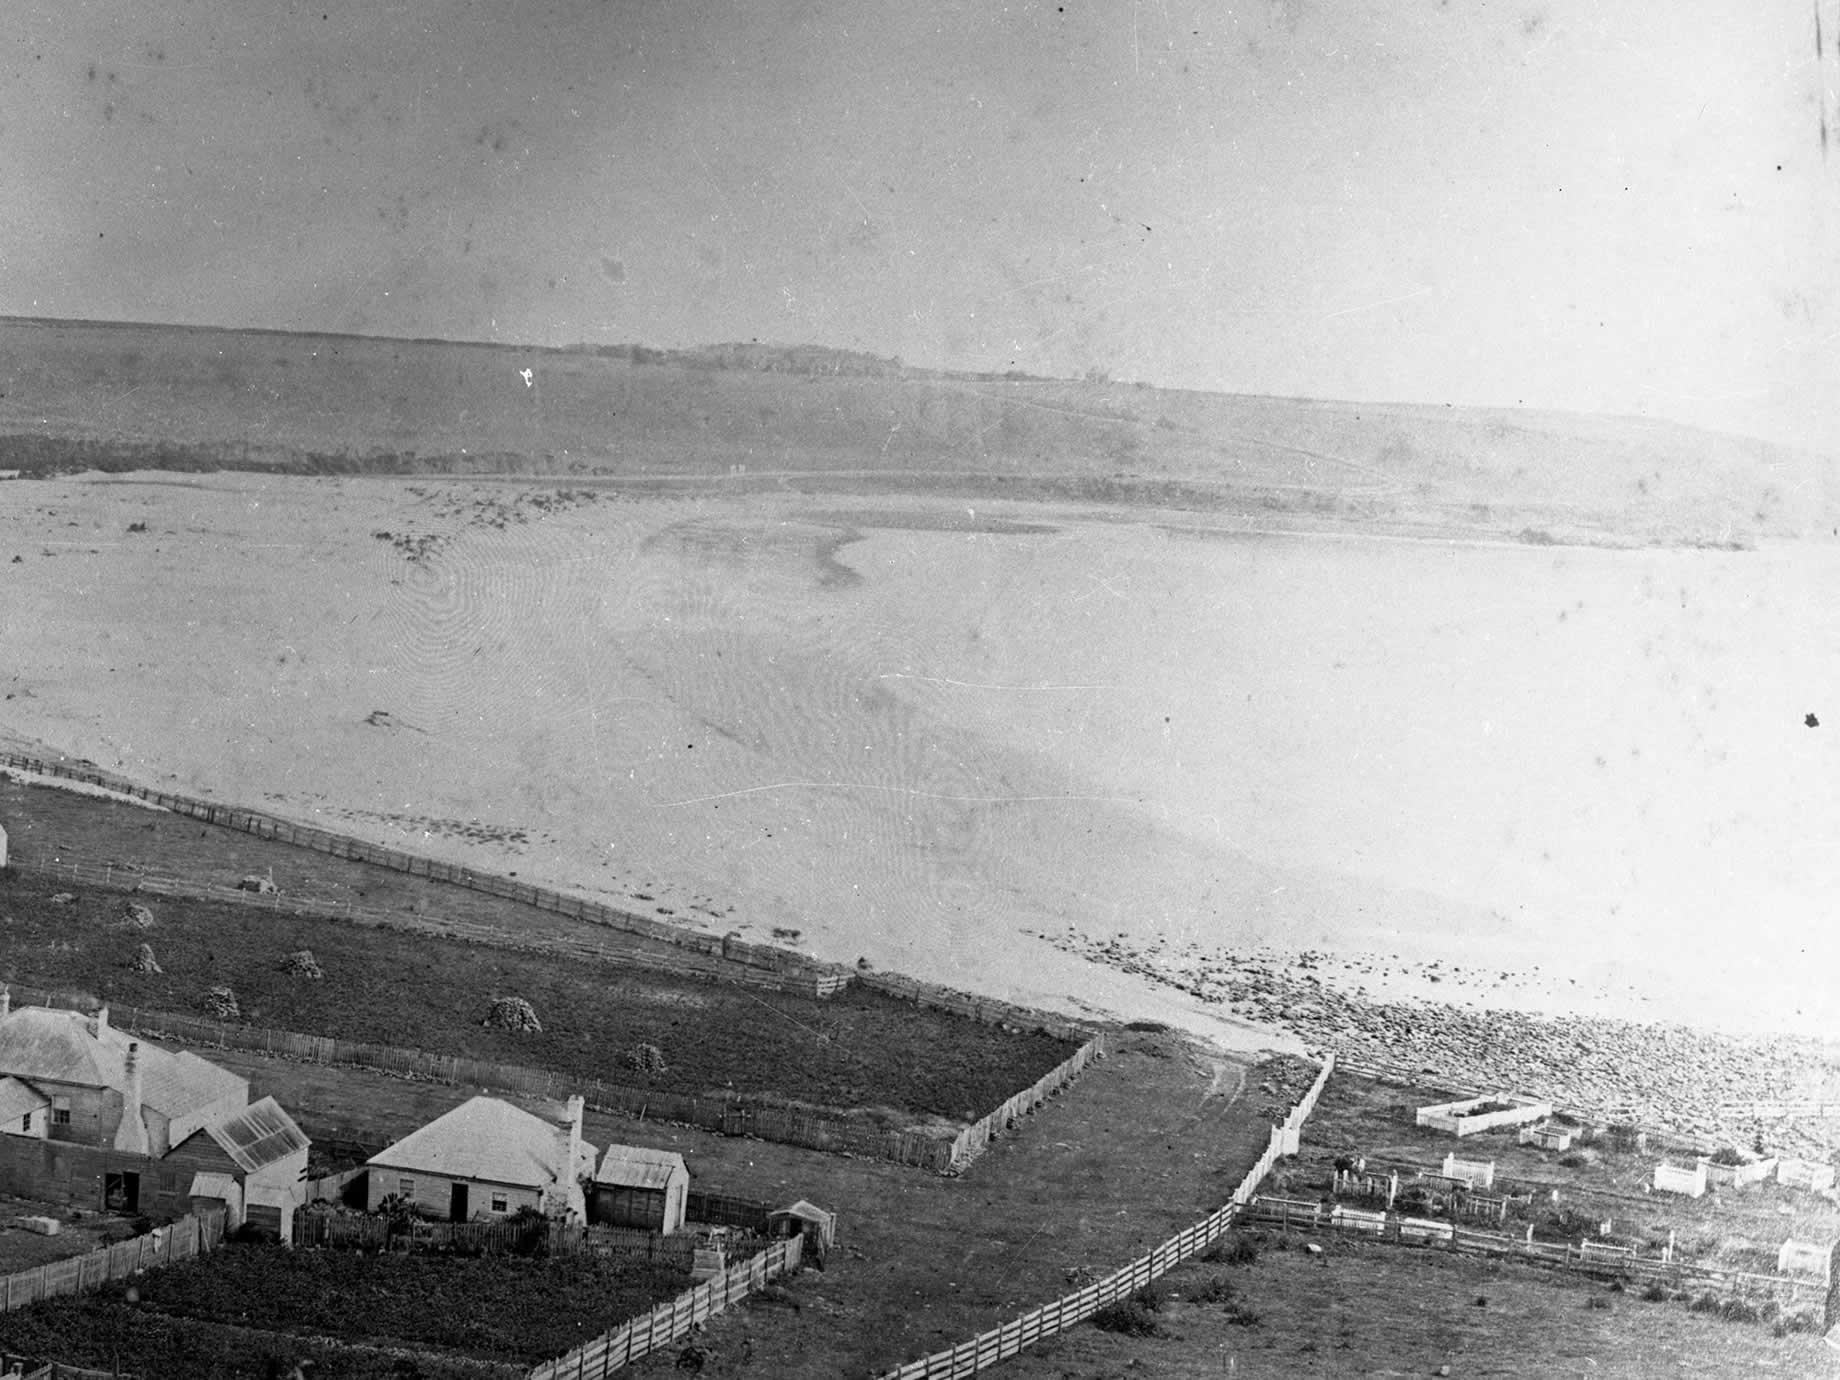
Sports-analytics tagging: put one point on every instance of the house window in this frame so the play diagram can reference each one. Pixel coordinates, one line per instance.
(406, 1187)
(25, 1124)
(169, 1182)
(499, 1203)
(60, 1111)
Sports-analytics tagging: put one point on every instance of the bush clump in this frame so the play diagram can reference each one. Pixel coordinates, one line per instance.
(221, 1005)
(646, 1058)
(1132, 1317)
(513, 1014)
(145, 962)
(302, 964)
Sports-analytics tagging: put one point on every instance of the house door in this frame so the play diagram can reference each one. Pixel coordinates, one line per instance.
(121, 1192)
(456, 1204)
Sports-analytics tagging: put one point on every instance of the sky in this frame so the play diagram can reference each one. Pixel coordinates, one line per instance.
(1595, 205)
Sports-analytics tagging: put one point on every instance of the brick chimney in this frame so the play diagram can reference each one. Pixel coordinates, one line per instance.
(131, 1135)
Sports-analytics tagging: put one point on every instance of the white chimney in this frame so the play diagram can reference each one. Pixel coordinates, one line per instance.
(6, 999)
(568, 1148)
(131, 1135)
(99, 1023)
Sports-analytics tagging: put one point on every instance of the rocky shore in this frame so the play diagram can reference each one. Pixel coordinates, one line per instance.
(1701, 1085)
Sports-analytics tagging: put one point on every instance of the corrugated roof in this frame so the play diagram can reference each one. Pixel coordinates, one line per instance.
(258, 1135)
(486, 1139)
(17, 1100)
(39, 1043)
(636, 1166)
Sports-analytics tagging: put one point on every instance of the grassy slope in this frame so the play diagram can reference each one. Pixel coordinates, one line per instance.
(390, 987)
(93, 395)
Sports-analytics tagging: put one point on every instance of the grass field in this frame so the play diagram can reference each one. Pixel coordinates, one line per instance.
(858, 1049)
(503, 1310)
(1364, 1309)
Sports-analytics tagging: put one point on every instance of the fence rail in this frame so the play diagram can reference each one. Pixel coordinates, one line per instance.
(670, 1321)
(183, 1239)
(999, 1344)
(1587, 1257)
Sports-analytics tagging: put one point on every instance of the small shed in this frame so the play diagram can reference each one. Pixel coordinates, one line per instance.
(210, 1189)
(818, 1227)
(640, 1188)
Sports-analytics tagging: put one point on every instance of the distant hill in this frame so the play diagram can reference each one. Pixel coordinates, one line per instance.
(104, 396)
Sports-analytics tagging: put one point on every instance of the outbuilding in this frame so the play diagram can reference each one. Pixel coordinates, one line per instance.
(818, 1227)
(641, 1188)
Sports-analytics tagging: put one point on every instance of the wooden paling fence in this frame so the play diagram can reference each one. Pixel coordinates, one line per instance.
(341, 1231)
(821, 979)
(975, 1138)
(720, 1210)
(183, 1239)
(669, 1321)
(999, 1344)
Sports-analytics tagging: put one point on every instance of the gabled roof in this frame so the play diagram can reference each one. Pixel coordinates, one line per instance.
(636, 1166)
(258, 1135)
(176, 1081)
(485, 1139)
(40, 1044)
(18, 1099)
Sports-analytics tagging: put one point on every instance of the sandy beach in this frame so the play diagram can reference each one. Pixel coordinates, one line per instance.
(979, 744)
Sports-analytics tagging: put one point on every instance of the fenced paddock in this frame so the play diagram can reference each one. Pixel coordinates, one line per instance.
(731, 1116)
(987, 1349)
(668, 1322)
(818, 979)
(181, 1240)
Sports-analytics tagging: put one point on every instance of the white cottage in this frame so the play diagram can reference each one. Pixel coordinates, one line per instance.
(486, 1159)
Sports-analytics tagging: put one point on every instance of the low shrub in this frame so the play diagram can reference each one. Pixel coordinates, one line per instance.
(1242, 1314)
(1597, 1301)
(1656, 1293)
(1217, 1289)
(1127, 1317)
